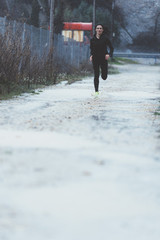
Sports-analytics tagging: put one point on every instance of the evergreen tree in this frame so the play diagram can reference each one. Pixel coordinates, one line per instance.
(59, 17)
(34, 20)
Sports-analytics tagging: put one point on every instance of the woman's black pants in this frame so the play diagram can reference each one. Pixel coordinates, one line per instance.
(97, 65)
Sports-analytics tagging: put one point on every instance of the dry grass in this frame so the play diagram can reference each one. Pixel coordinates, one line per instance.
(20, 69)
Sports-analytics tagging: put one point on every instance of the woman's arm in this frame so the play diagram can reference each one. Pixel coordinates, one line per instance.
(110, 47)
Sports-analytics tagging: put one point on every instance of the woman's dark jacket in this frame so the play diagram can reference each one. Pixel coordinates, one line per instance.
(99, 47)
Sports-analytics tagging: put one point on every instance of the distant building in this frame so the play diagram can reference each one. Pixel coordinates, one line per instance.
(76, 31)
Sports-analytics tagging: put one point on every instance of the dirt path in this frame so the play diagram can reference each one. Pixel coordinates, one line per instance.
(75, 167)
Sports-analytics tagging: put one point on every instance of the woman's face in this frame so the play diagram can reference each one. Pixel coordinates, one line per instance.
(99, 29)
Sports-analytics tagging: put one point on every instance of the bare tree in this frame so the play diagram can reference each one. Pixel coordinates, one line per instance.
(7, 5)
(157, 22)
(119, 17)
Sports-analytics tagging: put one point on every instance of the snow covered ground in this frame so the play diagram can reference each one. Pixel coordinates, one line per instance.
(75, 167)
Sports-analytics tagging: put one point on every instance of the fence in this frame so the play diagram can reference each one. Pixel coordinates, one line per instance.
(71, 52)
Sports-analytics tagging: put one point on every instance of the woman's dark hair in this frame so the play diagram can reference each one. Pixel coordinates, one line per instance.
(100, 25)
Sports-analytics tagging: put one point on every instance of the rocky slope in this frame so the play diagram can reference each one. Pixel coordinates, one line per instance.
(140, 16)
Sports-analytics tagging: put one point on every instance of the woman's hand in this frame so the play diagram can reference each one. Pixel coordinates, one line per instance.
(107, 56)
(91, 57)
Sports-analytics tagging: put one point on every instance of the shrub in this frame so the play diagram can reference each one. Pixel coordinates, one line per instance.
(20, 68)
(147, 41)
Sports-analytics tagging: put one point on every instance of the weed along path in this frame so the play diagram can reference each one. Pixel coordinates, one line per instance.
(75, 167)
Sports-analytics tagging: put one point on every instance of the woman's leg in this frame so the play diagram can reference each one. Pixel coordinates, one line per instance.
(104, 69)
(96, 75)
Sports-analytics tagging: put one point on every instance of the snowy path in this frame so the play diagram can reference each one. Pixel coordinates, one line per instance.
(74, 167)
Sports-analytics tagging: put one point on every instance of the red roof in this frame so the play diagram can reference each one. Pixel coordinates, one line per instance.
(77, 26)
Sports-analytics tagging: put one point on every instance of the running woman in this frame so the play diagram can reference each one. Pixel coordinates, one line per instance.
(100, 55)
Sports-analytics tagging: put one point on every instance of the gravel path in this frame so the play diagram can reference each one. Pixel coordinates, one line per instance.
(76, 167)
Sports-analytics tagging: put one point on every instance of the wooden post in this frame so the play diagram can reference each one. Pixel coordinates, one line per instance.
(112, 26)
(51, 24)
(94, 15)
